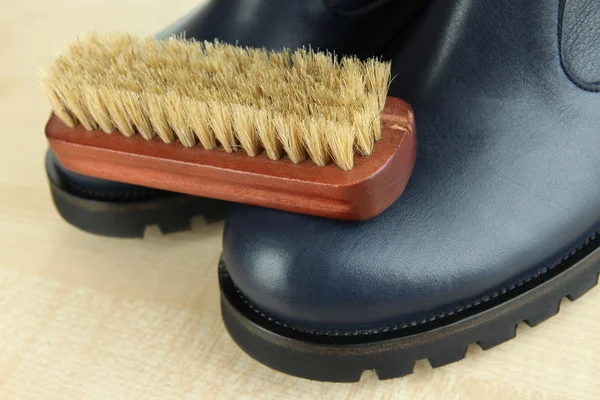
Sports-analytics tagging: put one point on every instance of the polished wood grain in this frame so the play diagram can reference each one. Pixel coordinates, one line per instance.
(86, 317)
(369, 188)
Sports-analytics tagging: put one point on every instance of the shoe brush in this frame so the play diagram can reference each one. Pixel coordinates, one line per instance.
(302, 131)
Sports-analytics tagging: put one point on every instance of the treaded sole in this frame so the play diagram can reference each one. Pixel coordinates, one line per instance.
(172, 212)
(317, 358)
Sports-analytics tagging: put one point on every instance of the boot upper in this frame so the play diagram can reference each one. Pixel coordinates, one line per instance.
(506, 184)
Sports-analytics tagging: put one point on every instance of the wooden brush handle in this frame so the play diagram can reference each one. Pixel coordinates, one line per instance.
(374, 183)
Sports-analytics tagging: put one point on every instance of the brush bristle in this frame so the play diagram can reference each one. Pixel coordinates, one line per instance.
(301, 104)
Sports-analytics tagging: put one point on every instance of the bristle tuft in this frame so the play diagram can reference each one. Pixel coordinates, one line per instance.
(300, 104)
(267, 134)
(315, 142)
(243, 126)
(340, 138)
(220, 121)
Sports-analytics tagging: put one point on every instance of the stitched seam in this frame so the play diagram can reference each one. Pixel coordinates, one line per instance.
(573, 79)
(457, 310)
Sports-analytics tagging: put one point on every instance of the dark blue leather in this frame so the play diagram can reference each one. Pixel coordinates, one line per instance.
(507, 181)
(362, 27)
(580, 41)
(93, 188)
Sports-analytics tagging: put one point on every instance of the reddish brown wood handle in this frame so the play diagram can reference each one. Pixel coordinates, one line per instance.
(370, 187)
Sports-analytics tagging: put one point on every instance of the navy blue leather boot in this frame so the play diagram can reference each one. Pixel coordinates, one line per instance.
(362, 27)
(499, 221)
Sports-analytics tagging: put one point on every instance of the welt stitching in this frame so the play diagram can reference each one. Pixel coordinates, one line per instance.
(457, 310)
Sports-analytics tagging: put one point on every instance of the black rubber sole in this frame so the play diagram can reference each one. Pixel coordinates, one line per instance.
(172, 213)
(129, 217)
(390, 355)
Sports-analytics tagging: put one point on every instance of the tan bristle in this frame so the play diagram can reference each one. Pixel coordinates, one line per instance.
(197, 113)
(289, 134)
(244, 128)
(97, 109)
(221, 123)
(156, 105)
(178, 119)
(297, 104)
(60, 109)
(138, 113)
(340, 140)
(72, 101)
(315, 143)
(267, 134)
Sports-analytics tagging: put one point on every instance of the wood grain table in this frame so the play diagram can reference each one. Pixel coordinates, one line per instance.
(86, 317)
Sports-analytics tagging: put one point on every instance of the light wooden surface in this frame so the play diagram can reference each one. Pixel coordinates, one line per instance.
(86, 317)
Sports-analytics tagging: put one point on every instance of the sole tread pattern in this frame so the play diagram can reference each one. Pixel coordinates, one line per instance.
(129, 219)
(396, 357)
